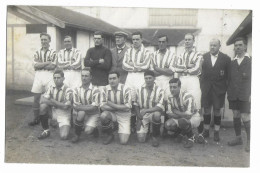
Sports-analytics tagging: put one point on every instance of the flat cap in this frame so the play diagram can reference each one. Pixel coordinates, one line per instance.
(120, 33)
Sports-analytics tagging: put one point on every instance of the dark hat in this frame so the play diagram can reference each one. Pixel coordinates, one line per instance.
(120, 33)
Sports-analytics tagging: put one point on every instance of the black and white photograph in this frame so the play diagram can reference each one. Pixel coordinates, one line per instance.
(120, 84)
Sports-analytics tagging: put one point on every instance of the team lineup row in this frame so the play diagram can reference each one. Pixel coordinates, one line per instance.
(129, 88)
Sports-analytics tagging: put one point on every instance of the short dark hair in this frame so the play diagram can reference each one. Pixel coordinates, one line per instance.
(87, 69)
(68, 36)
(240, 39)
(58, 71)
(149, 72)
(44, 33)
(175, 80)
(191, 35)
(160, 36)
(99, 33)
(114, 72)
(138, 33)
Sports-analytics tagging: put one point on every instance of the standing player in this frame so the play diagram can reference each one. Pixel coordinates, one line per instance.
(44, 64)
(118, 54)
(188, 66)
(99, 58)
(214, 80)
(150, 105)
(182, 113)
(162, 60)
(239, 91)
(116, 104)
(58, 100)
(86, 100)
(69, 59)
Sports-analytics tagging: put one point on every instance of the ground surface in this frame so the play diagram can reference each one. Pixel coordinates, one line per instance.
(22, 146)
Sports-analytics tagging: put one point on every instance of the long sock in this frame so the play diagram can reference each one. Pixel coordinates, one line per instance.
(78, 127)
(207, 119)
(107, 127)
(44, 121)
(237, 126)
(217, 122)
(200, 128)
(156, 129)
(247, 128)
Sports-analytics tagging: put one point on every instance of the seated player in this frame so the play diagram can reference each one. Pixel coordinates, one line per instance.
(182, 113)
(149, 101)
(57, 100)
(86, 100)
(116, 105)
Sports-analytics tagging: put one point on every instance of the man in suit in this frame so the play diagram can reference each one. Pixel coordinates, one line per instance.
(214, 80)
(239, 91)
(118, 54)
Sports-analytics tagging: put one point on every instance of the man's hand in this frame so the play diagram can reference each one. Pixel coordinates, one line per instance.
(101, 61)
(191, 65)
(143, 112)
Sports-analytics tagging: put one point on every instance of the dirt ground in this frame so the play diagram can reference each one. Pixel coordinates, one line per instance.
(22, 146)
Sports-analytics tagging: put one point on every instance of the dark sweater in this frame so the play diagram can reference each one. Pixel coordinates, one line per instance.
(99, 71)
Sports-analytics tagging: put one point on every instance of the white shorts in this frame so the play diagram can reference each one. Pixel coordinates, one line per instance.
(123, 119)
(89, 120)
(192, 85)
(147, 119)
(72, 78)
(195, 120)
(134, 81)
(163, 82)
(42, 80)
(62, 116)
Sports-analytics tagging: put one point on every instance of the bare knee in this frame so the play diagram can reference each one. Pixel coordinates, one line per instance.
(43, 108)
(105, 116)
(207, 110)
(141, 138)
(80, 116)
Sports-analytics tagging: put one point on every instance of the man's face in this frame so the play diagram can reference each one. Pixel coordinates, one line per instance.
(45, 41)
(239, 47)
(162, 43)
(189, 41)
(214, 47)
(149, 80)
(174, 88)
(58, 80)
(113, 80)
(98, 40)
(120, 40)
(68, 43)
(86, 77)
(137, 41)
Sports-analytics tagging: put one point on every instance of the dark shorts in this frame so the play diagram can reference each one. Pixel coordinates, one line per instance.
(212, 99)
(242, 106)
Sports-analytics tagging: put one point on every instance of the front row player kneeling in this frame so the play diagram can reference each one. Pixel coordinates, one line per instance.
(182, 113)
(116, 104)
(86, 100)
(57, 100)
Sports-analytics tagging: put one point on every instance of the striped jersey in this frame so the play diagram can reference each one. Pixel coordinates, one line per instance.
(89, 96)
(71, 56)
(63, 94)
(146, 99)
(185, 59)
(162, 60)
(122, 95)
(183, 103)
(140, 59)
(45, 56)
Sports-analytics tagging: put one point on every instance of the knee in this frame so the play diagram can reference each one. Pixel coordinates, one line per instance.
(123, 142)
(236, 114)
(170, 125)
(216, 112)
(141, 140)
(105, 117)
(207, 111)
(43, 109)
(245, 117)
(80, 116)
(157, 117)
